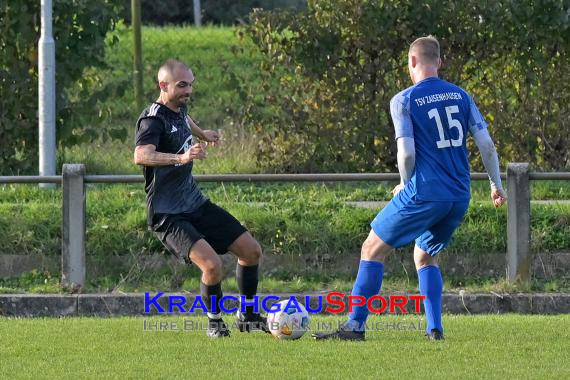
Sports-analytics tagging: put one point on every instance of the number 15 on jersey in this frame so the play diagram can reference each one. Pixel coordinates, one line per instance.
(451, 122)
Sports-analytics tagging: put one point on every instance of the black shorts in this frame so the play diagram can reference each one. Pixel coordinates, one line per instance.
(179, 232)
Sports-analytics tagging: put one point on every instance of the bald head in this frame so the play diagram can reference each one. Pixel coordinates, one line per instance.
(426, 50)
(170, 69)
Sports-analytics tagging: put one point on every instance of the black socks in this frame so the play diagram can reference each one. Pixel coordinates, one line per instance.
(247, 279)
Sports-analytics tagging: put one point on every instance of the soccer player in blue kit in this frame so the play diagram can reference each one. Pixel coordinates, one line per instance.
(431, 119)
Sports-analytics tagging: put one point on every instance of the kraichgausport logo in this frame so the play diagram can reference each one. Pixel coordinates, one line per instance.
(335, 303)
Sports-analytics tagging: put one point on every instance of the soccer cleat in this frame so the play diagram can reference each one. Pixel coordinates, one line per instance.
(217, 328)
(341, 333)
(251, 321)
(435, 334)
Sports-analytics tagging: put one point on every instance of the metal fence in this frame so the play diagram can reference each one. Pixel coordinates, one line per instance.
(73, 180)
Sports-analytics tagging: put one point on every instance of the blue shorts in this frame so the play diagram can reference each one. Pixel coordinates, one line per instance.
(431, 224)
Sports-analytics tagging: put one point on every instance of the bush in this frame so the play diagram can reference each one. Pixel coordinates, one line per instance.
(328, 74)
(79, 28)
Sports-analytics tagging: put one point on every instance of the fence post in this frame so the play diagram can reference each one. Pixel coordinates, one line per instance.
(73, 228)
(518, 223)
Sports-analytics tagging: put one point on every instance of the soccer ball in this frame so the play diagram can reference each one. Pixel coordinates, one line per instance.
(288, 322)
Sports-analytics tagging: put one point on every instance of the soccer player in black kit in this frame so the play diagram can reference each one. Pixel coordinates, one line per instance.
(186, 221)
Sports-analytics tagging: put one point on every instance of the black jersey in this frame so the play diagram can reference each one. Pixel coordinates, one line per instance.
(170, 189)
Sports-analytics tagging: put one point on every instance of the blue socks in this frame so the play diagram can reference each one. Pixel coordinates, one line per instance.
(431, 285)
(368, 283)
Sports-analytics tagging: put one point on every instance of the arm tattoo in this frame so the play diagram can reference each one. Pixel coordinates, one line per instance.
(149, 157)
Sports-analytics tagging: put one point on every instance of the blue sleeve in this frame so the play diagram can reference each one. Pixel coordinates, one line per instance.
(476, 121)
(401, 117)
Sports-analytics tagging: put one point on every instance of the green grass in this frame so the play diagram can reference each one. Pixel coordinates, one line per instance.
(498, 346)
(31, 220)
(168, 279)
(188, 279)
(116, 219)
(276, 191)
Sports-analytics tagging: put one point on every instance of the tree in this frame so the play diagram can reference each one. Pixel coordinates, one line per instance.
(80, 29)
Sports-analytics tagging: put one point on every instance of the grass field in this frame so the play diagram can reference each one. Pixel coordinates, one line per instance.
(476, 347)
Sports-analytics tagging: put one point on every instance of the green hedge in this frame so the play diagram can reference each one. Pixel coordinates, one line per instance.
(328, 74)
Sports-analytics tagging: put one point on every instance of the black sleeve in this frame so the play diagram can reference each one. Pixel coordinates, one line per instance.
(149, 131)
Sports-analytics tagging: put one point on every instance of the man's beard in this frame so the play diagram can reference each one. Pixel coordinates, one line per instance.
(182, 101)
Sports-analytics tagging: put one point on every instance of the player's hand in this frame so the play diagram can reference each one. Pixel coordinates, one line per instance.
(399, 187)
(499, 197)
(196, 152)
(212, 137)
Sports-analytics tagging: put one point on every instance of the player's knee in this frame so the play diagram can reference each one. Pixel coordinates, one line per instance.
(253, 253)
(370, 252)
(424, 261)
(213, 268)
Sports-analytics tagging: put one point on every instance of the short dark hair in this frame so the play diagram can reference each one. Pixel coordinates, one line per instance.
(170, 64)
(167, 69)
(426, 48)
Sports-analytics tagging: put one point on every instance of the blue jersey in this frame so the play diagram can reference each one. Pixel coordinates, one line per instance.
(437, 115)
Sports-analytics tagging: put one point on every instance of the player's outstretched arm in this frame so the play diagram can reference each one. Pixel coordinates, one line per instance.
(204, 134)
(491, 162)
